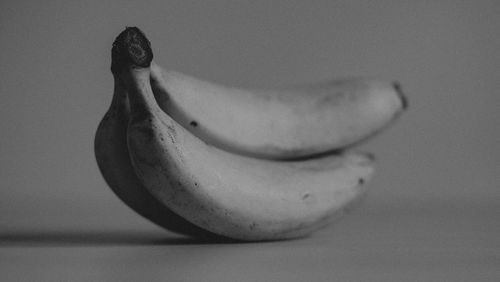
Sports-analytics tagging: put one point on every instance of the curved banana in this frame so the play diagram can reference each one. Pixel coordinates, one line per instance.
(111, 152)
(231, 195)
(287, 123)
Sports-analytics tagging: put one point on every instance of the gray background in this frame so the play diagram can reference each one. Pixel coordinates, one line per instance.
(439, 165)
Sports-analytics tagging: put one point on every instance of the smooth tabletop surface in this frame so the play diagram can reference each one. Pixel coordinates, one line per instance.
(454, 242)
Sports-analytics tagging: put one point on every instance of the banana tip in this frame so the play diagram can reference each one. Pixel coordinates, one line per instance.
(402, 96)
(131, 48)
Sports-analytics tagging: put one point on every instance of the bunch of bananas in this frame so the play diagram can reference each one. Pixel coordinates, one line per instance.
(207, 160)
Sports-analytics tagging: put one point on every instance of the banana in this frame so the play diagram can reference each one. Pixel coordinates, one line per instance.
(111, 152)
(288, 123)
(229, 194)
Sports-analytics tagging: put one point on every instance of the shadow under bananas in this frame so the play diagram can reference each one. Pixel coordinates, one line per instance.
(75, 238)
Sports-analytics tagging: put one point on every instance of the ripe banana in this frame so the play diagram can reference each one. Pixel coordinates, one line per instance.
(288, 123)
(111, 152)
(228, 194)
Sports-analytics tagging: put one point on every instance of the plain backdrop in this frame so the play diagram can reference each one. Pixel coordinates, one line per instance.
(55, 86)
